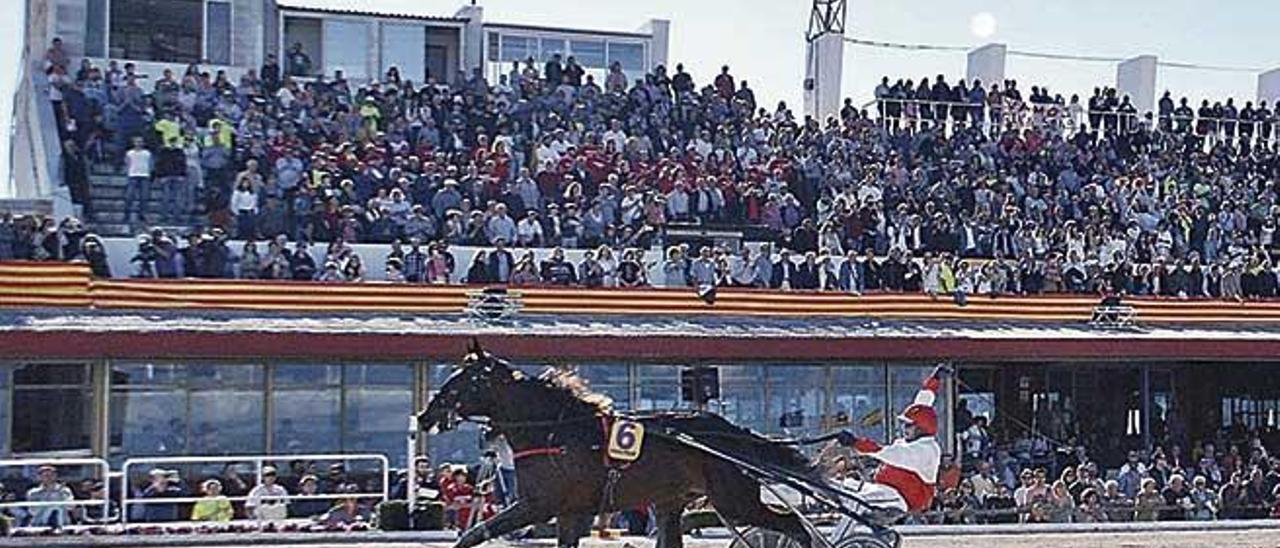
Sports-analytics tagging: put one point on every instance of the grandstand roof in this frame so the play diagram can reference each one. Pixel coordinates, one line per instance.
(214, 334)
(363, 8)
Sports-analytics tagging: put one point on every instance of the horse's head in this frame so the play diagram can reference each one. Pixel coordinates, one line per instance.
(471, 391)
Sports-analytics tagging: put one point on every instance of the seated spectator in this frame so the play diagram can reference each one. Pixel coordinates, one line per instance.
(424, 482)
(347, 512)
(49, 489)
(1117, 505)
(98, 514)
(1146, 506)
(163, 485)
(269, 500)
(1090, 509)
(1177, 499)
(304, 506)
(1204, 502)
(213, 506)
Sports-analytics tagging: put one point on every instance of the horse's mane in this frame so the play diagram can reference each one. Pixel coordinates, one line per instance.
(569, 384)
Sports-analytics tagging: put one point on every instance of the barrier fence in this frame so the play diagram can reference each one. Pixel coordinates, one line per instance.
(1024, 115)
(258, 462)
(100, 465)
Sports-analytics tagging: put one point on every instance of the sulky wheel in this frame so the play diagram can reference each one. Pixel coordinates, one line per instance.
(765, 538)
(865, 540)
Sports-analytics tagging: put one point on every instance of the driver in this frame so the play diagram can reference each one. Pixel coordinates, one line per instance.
(909, 466)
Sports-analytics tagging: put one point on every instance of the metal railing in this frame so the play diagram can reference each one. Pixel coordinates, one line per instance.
(258, 461)
(1027, 115)
(104, 471)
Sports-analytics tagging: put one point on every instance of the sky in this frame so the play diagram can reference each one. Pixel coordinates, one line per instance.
(763, 40)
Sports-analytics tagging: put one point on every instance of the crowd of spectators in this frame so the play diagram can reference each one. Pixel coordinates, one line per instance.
(947, 189)
(1037, 480)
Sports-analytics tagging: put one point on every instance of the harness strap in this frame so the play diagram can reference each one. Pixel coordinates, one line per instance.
(538, 452)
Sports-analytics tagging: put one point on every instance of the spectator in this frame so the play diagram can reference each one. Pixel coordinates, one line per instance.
(138, 190)
(1059, 507)
(1204, 502)
(268, 500)
(1091, 508)
(97, 514)
(1148, 503)
(347, 512)
(49, 489)
(162, 486)
(304, 505)
(214, 506)
(1177, 499)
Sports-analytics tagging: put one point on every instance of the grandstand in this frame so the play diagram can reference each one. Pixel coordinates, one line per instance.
(268, 235)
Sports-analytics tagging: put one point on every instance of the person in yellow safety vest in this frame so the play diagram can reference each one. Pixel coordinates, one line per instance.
(220, 134)
(371, 114)
(170, 132)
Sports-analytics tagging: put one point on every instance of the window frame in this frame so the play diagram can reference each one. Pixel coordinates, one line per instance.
(204, 33)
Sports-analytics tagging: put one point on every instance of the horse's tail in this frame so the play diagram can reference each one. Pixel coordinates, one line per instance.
(744, 443)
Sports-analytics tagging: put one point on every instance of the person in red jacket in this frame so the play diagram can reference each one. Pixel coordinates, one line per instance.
(909, 466)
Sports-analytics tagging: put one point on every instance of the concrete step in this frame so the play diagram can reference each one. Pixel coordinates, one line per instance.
(154, 203)
(117, 217)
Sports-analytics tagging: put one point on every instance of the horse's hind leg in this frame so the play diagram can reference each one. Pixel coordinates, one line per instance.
(670, 534)
(737, 497)
(518, 515)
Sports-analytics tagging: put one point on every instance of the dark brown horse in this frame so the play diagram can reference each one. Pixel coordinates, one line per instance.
(557, 428)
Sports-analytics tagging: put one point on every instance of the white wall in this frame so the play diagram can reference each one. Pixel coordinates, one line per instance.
(374, 257)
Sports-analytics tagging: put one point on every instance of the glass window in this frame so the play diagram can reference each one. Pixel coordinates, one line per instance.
(200, 409)
(493, 46)
(742, 396)
(518, 48)
(157, 30)
(306, 405)
(404, 47)
(52, 408)
(218, 37)
(552, 46)
(589, 54)
(303, 39)
(658, 387)
(377, 402)
(95, 28)
(859, 392)
(631, 56)
(611, 380)
(346, 44)
(796, 399)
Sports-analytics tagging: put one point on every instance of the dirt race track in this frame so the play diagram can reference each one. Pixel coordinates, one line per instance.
(1165, 539)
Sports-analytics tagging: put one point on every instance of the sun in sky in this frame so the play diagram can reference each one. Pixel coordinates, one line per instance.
(982, 25)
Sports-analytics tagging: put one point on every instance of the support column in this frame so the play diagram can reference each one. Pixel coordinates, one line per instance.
(472, 39)
(1269, 86)
(824, 59)
(659, 31)
(986, 63)
(1145, 395)
(1136, 78)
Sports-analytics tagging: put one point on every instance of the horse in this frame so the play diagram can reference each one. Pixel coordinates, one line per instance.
(558, 431)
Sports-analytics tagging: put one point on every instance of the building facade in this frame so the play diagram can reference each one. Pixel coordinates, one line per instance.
(361, 42)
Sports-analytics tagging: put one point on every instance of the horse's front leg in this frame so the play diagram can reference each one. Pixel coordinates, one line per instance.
(520, 514)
